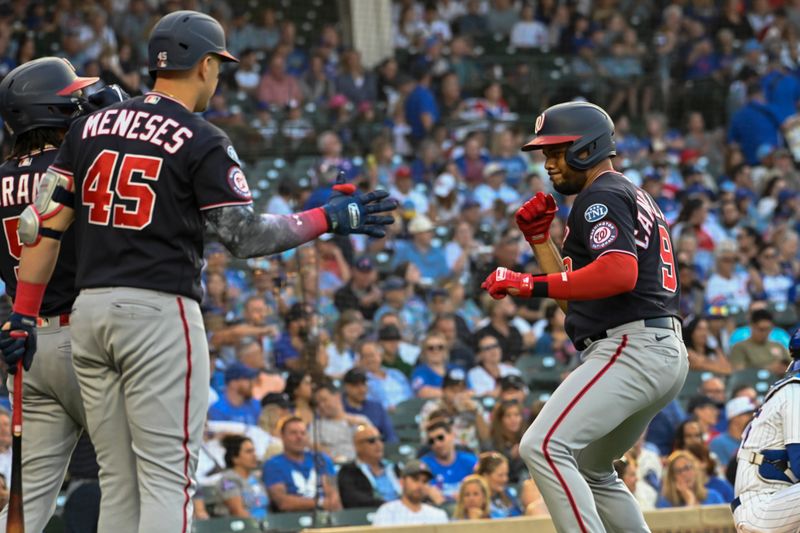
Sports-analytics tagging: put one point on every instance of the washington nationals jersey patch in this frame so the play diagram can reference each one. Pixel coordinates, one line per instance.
(595, 212)
(238, 182)
(602, 234)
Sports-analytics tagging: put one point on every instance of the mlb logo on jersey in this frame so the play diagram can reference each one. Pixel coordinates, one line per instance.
(602, 234)
(595, 212)
(162, 59)
(152, 99)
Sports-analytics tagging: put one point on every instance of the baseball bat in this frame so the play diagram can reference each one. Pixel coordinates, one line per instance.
(16, 518)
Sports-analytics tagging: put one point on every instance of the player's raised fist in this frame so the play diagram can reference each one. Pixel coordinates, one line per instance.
(535, 216)
(503, 282)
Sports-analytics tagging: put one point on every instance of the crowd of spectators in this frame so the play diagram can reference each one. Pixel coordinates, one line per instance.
(315, 352)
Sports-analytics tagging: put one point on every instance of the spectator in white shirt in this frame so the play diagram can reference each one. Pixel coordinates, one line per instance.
(528, 32)
(484, 379)
(410, 509)
(495, 187)
(726, 285)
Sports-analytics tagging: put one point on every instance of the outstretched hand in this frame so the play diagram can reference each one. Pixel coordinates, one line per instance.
(350, 212)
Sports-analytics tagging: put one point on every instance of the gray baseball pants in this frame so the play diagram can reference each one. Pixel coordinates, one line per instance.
(141, 358)
(594, 417)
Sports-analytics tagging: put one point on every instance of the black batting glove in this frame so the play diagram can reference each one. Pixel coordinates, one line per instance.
(19, 341)
(348, 212)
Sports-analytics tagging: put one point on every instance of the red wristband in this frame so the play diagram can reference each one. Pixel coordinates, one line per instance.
(28, 299)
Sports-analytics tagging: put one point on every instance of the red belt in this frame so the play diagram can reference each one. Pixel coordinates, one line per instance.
(43, 321)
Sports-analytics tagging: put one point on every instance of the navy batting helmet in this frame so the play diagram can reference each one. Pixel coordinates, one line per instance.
(38, 94)
(179, 40)
(585, 125)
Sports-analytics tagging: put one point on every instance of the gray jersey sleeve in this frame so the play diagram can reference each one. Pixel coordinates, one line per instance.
(248, 234)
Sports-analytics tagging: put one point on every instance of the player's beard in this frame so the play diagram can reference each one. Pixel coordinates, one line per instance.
(572, 185)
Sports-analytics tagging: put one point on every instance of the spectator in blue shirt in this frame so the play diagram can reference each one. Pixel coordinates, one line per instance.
(739, 411)
(237, 403)
(291, 478)
(422, 112)
(387, 386)
(754, 125)
(448, 465)
(287, 353)
(661, 431)
(781, 89)
(430, 260)
(356, 403)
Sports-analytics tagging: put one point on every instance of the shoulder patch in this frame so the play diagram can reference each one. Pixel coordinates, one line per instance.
(238, 182)
(602, 234)
(233, 155)
(595, 212)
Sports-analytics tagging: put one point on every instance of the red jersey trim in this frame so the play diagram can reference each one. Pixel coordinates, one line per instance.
(612, 251)
(61, 170)
(560, 419)
(226, 204)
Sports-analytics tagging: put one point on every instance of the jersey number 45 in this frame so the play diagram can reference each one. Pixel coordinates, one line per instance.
(131, 204)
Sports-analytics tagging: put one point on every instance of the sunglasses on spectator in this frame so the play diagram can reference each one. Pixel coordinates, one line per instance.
(433, 439)
(683, 469)
(435, 347)
(488, 347)
(370, 440)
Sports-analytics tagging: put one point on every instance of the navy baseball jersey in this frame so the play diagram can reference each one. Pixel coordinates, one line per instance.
(144, 171)
(19, 179)
(613, 215)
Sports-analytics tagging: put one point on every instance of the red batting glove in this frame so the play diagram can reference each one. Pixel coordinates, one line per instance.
(503, 282)
(535, 216)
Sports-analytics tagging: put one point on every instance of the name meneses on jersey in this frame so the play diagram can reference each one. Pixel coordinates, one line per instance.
(135, 125)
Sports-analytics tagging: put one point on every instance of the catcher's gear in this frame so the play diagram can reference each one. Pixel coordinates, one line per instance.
(179, 40)
(794, 345)
(348, 212)
(55, 192)
(585, 125)
(39, 94)
(18, 343)
(535, 216)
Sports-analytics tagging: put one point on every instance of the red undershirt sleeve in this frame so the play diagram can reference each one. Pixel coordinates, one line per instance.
(610, 274)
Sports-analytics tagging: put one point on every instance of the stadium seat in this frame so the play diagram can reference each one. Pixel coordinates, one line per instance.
(400, 452)
(540, 371)
(357, 516)
(758, 378)
(406, 420)
(691, 385)
(295, 521)
(224, 525)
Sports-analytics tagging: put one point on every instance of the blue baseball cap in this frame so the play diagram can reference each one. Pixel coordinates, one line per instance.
(239, 371)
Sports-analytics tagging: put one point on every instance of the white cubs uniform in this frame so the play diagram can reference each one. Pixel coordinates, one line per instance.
(768, 505)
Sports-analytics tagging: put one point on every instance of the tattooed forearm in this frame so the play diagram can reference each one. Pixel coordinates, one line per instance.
(247, 234)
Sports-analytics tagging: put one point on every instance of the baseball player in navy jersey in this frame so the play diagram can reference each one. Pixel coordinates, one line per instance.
(38, 101)
(140, 179)
(768, 462)
(621, 285)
